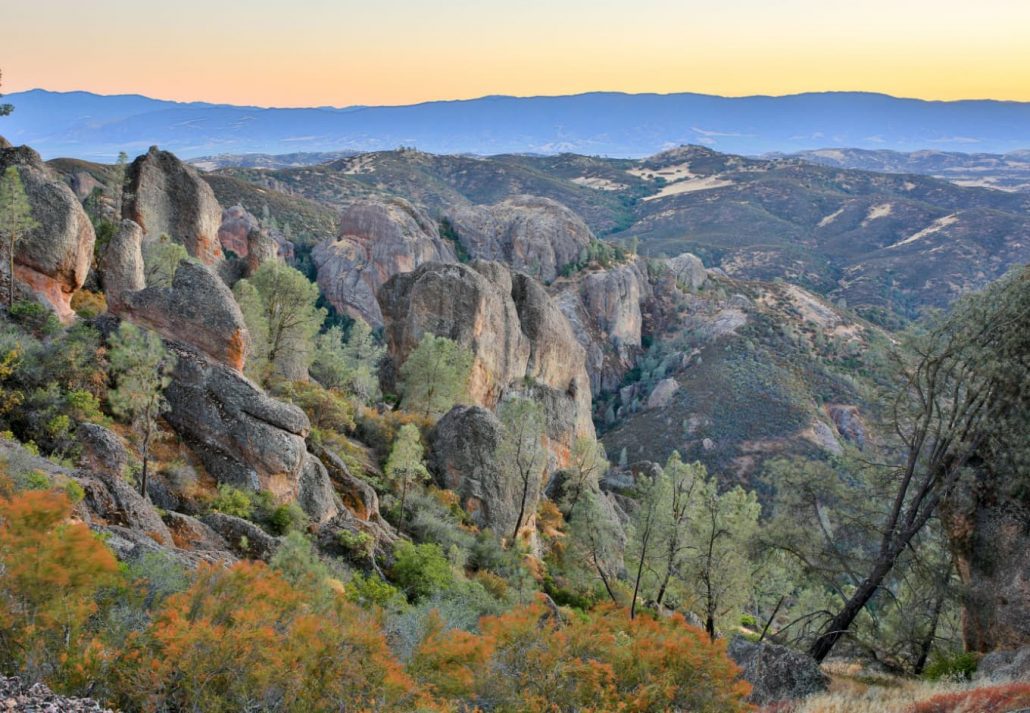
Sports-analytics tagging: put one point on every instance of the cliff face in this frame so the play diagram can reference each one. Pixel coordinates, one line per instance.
(52, 260)
(378, 239)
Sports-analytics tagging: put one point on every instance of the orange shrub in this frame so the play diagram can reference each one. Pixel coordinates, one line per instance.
(528, 660)
(989, 699)
(243, 638)
(52, 574)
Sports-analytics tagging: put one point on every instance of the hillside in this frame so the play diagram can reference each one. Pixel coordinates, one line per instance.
(605, 123)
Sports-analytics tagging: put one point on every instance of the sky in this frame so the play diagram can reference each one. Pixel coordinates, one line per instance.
(348, 52)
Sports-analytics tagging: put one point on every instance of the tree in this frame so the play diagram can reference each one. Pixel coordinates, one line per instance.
(595, 543)
(675, 493)
(960, 403)
(435, 375)
(5, 109)
(140, 365)
(279, 307)
(15, 220)
(161, 259)
(351, 364)
(116, 184)
(404, 465)
(589, 463)
(521, 452)
(643, 530)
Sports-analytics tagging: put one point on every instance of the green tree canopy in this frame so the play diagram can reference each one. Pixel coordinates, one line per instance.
(15, 219)
(435, 375)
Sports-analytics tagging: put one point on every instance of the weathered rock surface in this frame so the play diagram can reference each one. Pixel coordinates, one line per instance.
(51, 261)
(4, 143)
(197, 309)
(103, 450)
(606, 311)
(687, 270)
(246, 539)
(21, 697)
(376, 241)
(1010, 665)
(463, 458)
(121, 265)
(662, 393)
(189, 533)
(167, 197)
(115, 502)
(849, 423)
(776, 673)
(517, 334)
(242, 233)
(244, 437)
(535, 235)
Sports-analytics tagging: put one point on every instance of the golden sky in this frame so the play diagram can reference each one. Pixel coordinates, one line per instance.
(345, 52)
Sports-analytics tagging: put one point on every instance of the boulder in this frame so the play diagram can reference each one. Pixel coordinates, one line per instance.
(245, 539)
(113, 501)
(463, 458)
(52, 260)
(189, 533)
(1008, 665)
(377, 239)
(121, 265)
(25, 697)
(4, 143)
(168, 197)
(848, 421)
(535, 235)
(197, 309)
(662, 393)
(776, 673)
(130, 545)
(242, 233)
(243, 436)
(103, 450)
(688, 271)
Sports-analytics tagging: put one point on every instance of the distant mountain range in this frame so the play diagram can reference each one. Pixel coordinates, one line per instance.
(91, 126)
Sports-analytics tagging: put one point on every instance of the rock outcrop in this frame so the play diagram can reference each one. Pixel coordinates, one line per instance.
(463, 458)
(687, 270)
(606, 310)
(103, 450)
(197, 309)
(121, 265)
(538, 236)
(376, 241)
(21, 697)
(1005, 665)
(242, 233)
(115, 502)
(244, 437)
(520, 339)
(776, 673)
(167, 197)
(52, 260)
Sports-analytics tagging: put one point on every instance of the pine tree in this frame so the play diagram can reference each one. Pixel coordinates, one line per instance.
(404, 465)
(15, 220)
(435, 375)
(522, 452)
(140, 365)
(116, 184)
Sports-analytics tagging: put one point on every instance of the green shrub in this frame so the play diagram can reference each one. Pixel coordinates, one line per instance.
(952, 667)
(358, 545)
(287, 518)
(373, 591)
(34, 317)
(420, 570)
(233, 501)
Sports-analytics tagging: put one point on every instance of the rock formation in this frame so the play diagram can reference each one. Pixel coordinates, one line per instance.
(377, 240)
(520, 339)
(538, 236)
(606, 310)
(167, 197)
(776, 673)
(121, 264)
(51, 261)
(242, 233)
(244, 437)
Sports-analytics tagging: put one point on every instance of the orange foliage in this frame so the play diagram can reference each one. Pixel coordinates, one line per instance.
(243, 638)
(990, 699)
(52, 573)
(527, 660)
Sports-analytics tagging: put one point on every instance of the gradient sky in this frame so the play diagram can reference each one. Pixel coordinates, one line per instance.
(344, 52)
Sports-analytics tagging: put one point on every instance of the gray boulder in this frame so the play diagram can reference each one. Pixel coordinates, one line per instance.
(245, 539)
(776, 673)
(112, 500)
(538, 236)
(190, 533)
(121, 265)
(51, 261)
(168, 197)
(688, 270)
(103, 450)
(999, 666)
(377, 239)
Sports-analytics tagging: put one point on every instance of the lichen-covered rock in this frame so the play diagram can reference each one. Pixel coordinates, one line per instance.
(51, 261)
(103, 450)
(167, 197)
(376, 241)
(776, 673)
(244, 537)
(113, 501)
(189, 533)
(662, 393)
(197, 309)
(243, 436)
(21, 697)
(848, 421)
(463, 458)
(121, 265)
(535, 235)
(606, 311)
(242, 233)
